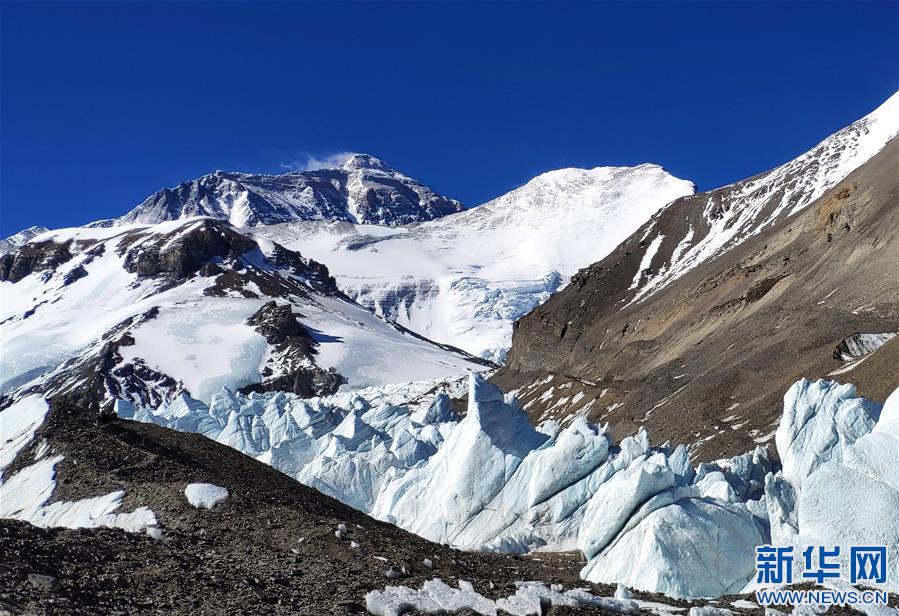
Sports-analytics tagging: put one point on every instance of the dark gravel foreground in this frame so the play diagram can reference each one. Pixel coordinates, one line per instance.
(269, 549)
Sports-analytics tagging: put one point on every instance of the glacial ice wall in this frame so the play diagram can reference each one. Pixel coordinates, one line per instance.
(642, 515)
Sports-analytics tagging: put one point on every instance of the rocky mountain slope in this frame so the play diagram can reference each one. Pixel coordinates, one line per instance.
(463, 279)
(143, 313)
(362, 189)
(694, 325)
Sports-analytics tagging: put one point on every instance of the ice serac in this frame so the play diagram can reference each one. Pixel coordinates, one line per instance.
(492, 481)
(464, 279)
(821, 420)
(440, 498)
(716, 510)
(642, 515)
(849, 495)
(358, 189)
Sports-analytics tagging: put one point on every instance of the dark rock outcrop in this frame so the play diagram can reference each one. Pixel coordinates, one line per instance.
(99, 376)
(31, 258)
(184, 252)
(291, 365)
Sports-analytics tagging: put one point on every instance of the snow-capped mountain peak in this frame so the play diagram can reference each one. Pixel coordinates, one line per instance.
(464, 279)
(361, 189)
(367, 161)
(146, 312)
(721, 219)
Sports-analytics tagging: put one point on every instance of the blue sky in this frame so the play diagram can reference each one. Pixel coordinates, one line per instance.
(103, 103)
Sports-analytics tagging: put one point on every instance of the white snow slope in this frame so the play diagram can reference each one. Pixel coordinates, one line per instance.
(465, 278)
(742, 210)
(642, 515)
(201, 341)
(18, 239)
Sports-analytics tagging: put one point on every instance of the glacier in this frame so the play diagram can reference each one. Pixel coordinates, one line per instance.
(847, 494)
(643, 515)
(489, 480)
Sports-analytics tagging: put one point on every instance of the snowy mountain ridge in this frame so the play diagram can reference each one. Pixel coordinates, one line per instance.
(732, 214)
(360, 189)
(464, 279)
(19, 239)
(755, 284)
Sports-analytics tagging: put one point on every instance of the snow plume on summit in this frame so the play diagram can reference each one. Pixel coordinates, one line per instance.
(314, 163)
(491, 481)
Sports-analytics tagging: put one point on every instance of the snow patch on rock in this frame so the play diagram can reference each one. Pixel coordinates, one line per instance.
(530, 599)
(205, 495)
(19, 421)
(25, 496)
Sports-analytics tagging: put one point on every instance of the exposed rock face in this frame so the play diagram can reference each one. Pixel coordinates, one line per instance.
(144, 314)
(184, 253)
(32, 258)
(700, 356)
(95, 379)
(361, 189)
(290, 366)
(208, 248)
